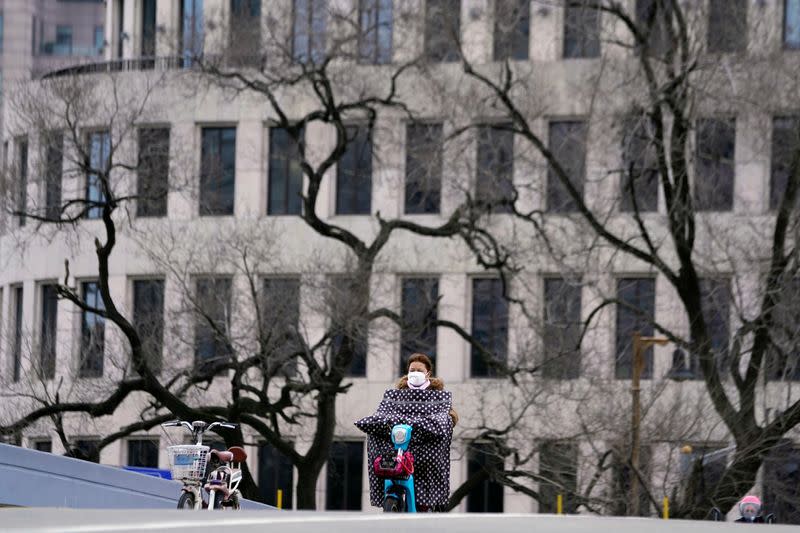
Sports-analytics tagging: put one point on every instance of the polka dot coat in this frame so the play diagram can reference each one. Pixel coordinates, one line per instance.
(427, 412)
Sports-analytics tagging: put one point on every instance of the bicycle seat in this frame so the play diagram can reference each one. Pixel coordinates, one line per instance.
(224, 457)
(238, 454)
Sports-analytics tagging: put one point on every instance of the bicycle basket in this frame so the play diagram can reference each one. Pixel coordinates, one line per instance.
(188, 461)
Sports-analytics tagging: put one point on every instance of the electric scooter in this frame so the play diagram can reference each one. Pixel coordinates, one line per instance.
(398, 474)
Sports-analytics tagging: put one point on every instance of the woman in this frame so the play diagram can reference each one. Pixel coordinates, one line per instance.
(420, 376)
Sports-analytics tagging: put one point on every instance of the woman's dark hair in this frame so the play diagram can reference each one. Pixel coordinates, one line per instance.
(421, 358)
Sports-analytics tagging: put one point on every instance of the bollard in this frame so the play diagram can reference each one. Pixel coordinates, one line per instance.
(279, 501)
(666, 508)
(559, 504)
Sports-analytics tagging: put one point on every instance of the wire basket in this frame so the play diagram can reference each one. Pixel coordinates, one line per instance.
(188, 461)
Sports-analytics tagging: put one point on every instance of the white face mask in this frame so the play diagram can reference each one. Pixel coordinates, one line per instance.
(416, 378)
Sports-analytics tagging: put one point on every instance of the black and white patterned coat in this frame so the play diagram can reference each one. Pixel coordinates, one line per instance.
(427, 412)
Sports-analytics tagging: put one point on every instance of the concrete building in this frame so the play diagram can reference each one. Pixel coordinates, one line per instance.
(147, 39)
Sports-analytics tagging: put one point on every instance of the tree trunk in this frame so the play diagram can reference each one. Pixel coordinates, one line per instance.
(307, 488)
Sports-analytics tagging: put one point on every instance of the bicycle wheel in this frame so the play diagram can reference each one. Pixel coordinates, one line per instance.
(186, 501)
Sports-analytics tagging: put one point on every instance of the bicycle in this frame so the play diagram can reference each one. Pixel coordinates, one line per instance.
(190, 463)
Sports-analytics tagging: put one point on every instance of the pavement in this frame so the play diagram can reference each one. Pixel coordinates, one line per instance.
(59, 520)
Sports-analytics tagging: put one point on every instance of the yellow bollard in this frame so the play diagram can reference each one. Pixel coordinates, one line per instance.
(666, 508)
(280, 499)
(559, 504)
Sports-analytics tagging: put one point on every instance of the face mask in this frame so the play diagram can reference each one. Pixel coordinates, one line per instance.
(416, 378)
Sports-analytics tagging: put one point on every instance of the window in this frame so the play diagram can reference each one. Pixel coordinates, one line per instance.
(495, 187)
(512, 20)
(275, 472)
(783, 359)
(22, 179)
(489, 326)
(424, 147)
(191, 37)
(782, 482)
(419, 314)
(785, 146)
(16, 346)
(635, 313)
(622, 476)
(727, 26)
(714, 165)
(375, 31)
(87, 449)
(218, 171)
(99, 40)
(285, 173)
(581, 30)
(2, 30)
(143, 452)
(562, 328)
(54, 149)
(47, 332)
(280, 338)
(791, 24)
(153, 172)
(99, 154)
(347, 307)
(442, 30)
(308, 37)
(652, 18)
(93, 333)
(63, 45)
(639, 182)
(354, 173)
(567, 142)
(558, 463)
(715, 301)
(213, 300)
(345, 472)
(486, 496)
(148, 44)
(120, 26)
(244, 33)
(43, 446)
(148, 319)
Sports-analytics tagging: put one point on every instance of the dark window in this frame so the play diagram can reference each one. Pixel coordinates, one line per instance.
(285, 174)
(791, 24)
(486, 496)
(652, 18)
(22, 179)
(423, 168)
(244, 32)
(120, 7)
(707, 464)
(218, 171)
(43, 446)
(93, 333)
(567, 142)
(47, 332)
(782, 483)
(63, 45)
(582, 30)
(715, 302)
(275, 472)
(99, 40)
(2, 30)
(783, 358)
(347, 308)
(785, 150)
(727, 26)
(143, 452)
(99, 154)
(558, 464)
(636, 312)
(17, 345)
(308, 37)
(375, 31)
(512, 20)
(148, 319)
(280, 334)
(419, 314)
(639, 182)
(623, 476)
(345, 469)
(442, 30)
(153, 172)
(562, 329)
(489, 326)
(213, 300)
(354, 173)
(148, 44)
(714, 166)
(191, 37)
(54, 148)
(87, 449)
(495, 187)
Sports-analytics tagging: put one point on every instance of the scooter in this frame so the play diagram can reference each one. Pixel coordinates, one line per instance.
(398, 474)
(189, 463)
(717, 516)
